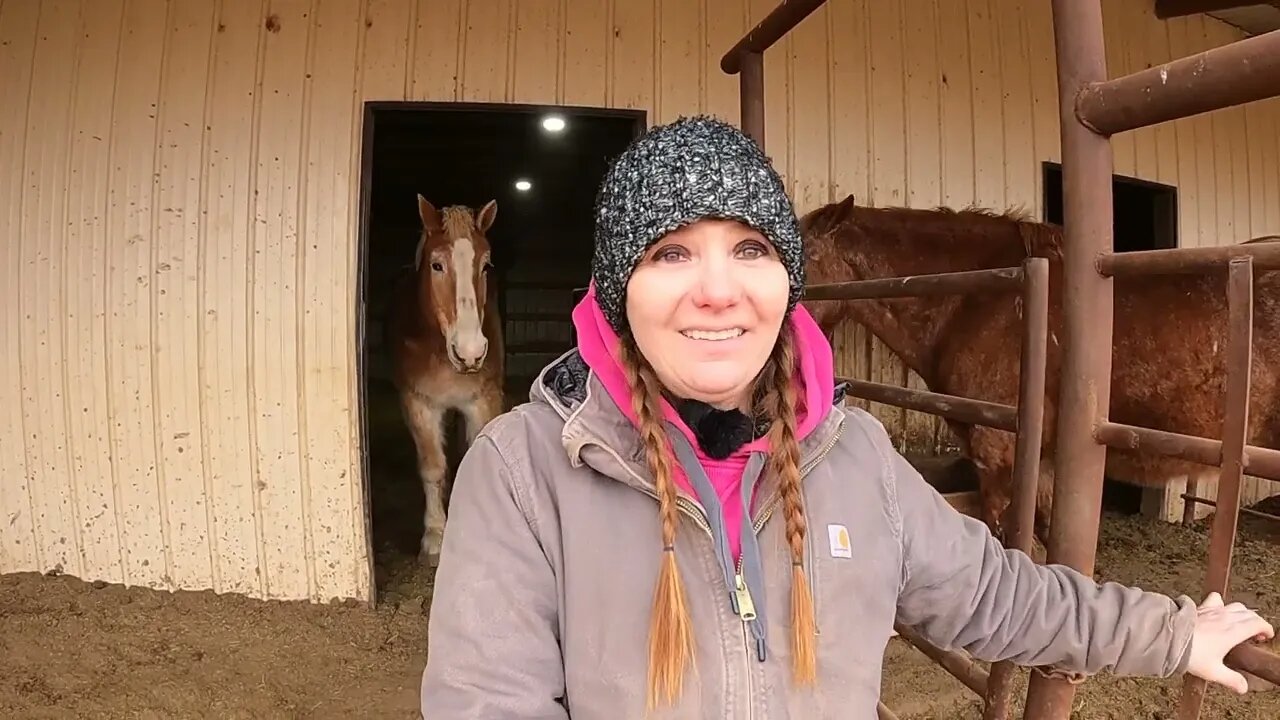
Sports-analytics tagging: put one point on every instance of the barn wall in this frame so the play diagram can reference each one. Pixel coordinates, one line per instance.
(178, 208)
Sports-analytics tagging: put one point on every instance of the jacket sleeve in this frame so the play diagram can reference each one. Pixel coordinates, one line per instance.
(962, 589)
(493, 646)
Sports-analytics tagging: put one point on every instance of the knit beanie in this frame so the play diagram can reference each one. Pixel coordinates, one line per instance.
(674, 175)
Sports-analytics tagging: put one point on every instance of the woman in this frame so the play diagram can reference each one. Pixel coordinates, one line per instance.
(695, 441)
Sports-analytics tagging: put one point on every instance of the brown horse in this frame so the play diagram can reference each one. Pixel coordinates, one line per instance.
(1170, 335)
(445, 336)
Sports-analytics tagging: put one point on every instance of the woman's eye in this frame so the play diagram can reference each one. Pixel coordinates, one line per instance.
(753, 250)
(669, 254)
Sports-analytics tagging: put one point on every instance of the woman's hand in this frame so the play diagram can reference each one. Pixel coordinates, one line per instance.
(1220, 628)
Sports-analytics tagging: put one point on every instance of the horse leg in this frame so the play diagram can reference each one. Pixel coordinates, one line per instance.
(485, 407)
(425, 421)
(1044, 508)
(993, 454)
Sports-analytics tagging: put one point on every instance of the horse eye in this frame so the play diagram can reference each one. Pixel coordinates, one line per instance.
(437, 267)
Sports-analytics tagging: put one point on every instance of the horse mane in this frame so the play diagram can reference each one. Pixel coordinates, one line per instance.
(993, 228)
(457, 221)
(1039, 239)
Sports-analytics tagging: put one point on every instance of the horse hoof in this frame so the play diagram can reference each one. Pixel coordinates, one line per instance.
(430, 559)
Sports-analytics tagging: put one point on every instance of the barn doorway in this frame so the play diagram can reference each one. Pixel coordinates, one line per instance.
(543, 166)
(1144, 217)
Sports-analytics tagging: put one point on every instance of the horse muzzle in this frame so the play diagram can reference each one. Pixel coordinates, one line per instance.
(469, 363)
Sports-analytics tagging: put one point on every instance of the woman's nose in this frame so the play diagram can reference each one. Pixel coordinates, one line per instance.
(717, 285)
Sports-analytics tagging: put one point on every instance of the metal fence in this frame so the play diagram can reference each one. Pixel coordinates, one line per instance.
(1091, 110)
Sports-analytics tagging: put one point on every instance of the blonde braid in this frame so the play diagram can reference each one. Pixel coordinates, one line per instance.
(779, 402)
(670, 629)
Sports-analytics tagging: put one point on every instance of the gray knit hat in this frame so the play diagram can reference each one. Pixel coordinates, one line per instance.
(677, 174)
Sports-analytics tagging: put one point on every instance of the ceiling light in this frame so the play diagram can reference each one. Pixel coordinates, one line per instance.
(553, 123)
(523, 185)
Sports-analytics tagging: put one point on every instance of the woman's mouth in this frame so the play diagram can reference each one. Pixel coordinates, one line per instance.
(726, 334)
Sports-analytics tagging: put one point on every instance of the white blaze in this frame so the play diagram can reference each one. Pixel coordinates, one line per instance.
(468, 339)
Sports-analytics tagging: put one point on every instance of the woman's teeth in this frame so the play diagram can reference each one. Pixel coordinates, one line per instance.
(713, 334)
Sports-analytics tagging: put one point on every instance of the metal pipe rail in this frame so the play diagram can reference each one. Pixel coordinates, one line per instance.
(746, 58)
(1235, 428)
(1091, 108)
(1027, 421)
(1234, 74)
(768, 31)
(1260, 461)
(1255, 661)
(1177, 261)
(1214, 503)
(952, 407)
(952, 283)
(962, 668)
(1027, 443)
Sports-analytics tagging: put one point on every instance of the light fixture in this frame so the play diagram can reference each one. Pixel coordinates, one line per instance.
(553, 123)
(523, 185)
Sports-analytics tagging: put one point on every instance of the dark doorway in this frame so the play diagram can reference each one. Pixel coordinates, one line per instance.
(543, 166)
(1144, 217)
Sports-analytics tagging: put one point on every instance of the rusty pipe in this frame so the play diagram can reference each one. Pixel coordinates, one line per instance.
(1241, 72)
(1088, 319)
(779, 22)
(1235, 428)
(962, 668)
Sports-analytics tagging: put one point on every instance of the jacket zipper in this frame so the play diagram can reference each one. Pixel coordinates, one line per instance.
(699, 518)
(744, 596)
(746, 604)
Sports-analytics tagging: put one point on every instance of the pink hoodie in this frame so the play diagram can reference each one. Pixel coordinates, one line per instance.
(598, 344)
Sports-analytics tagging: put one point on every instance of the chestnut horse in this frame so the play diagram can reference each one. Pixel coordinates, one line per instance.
(1169, 340)
(445, 338)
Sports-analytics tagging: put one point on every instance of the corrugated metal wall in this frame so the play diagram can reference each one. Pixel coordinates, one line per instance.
(178, 212)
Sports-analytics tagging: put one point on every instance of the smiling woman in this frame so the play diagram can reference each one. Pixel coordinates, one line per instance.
(687, 491)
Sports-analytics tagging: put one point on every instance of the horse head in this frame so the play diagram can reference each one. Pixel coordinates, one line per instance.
(453, 264)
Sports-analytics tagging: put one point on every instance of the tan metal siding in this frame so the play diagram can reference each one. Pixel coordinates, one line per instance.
(179, 204)
(229, 435)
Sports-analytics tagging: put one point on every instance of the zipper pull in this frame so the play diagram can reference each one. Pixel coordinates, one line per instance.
(746, 605)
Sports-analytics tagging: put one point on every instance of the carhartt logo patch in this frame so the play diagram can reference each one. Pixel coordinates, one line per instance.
(839, 537)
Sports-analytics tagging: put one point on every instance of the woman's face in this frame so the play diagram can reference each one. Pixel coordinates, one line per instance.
(705, 305)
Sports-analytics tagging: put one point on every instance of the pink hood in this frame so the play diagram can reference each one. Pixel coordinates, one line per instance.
(598, 344)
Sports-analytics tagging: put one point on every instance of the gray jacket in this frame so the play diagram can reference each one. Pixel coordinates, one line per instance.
(545, 584)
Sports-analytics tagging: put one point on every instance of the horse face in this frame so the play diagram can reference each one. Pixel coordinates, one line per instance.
(454, 265)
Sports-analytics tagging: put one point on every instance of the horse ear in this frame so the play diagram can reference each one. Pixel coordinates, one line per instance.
(429, 215)
(485, 218)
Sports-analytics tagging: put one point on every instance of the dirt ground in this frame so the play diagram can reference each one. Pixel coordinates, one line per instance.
(70, 649)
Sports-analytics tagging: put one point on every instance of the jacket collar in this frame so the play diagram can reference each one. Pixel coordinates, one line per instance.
(598, 435)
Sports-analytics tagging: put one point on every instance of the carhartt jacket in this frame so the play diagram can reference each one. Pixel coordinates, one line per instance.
(545, 585)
